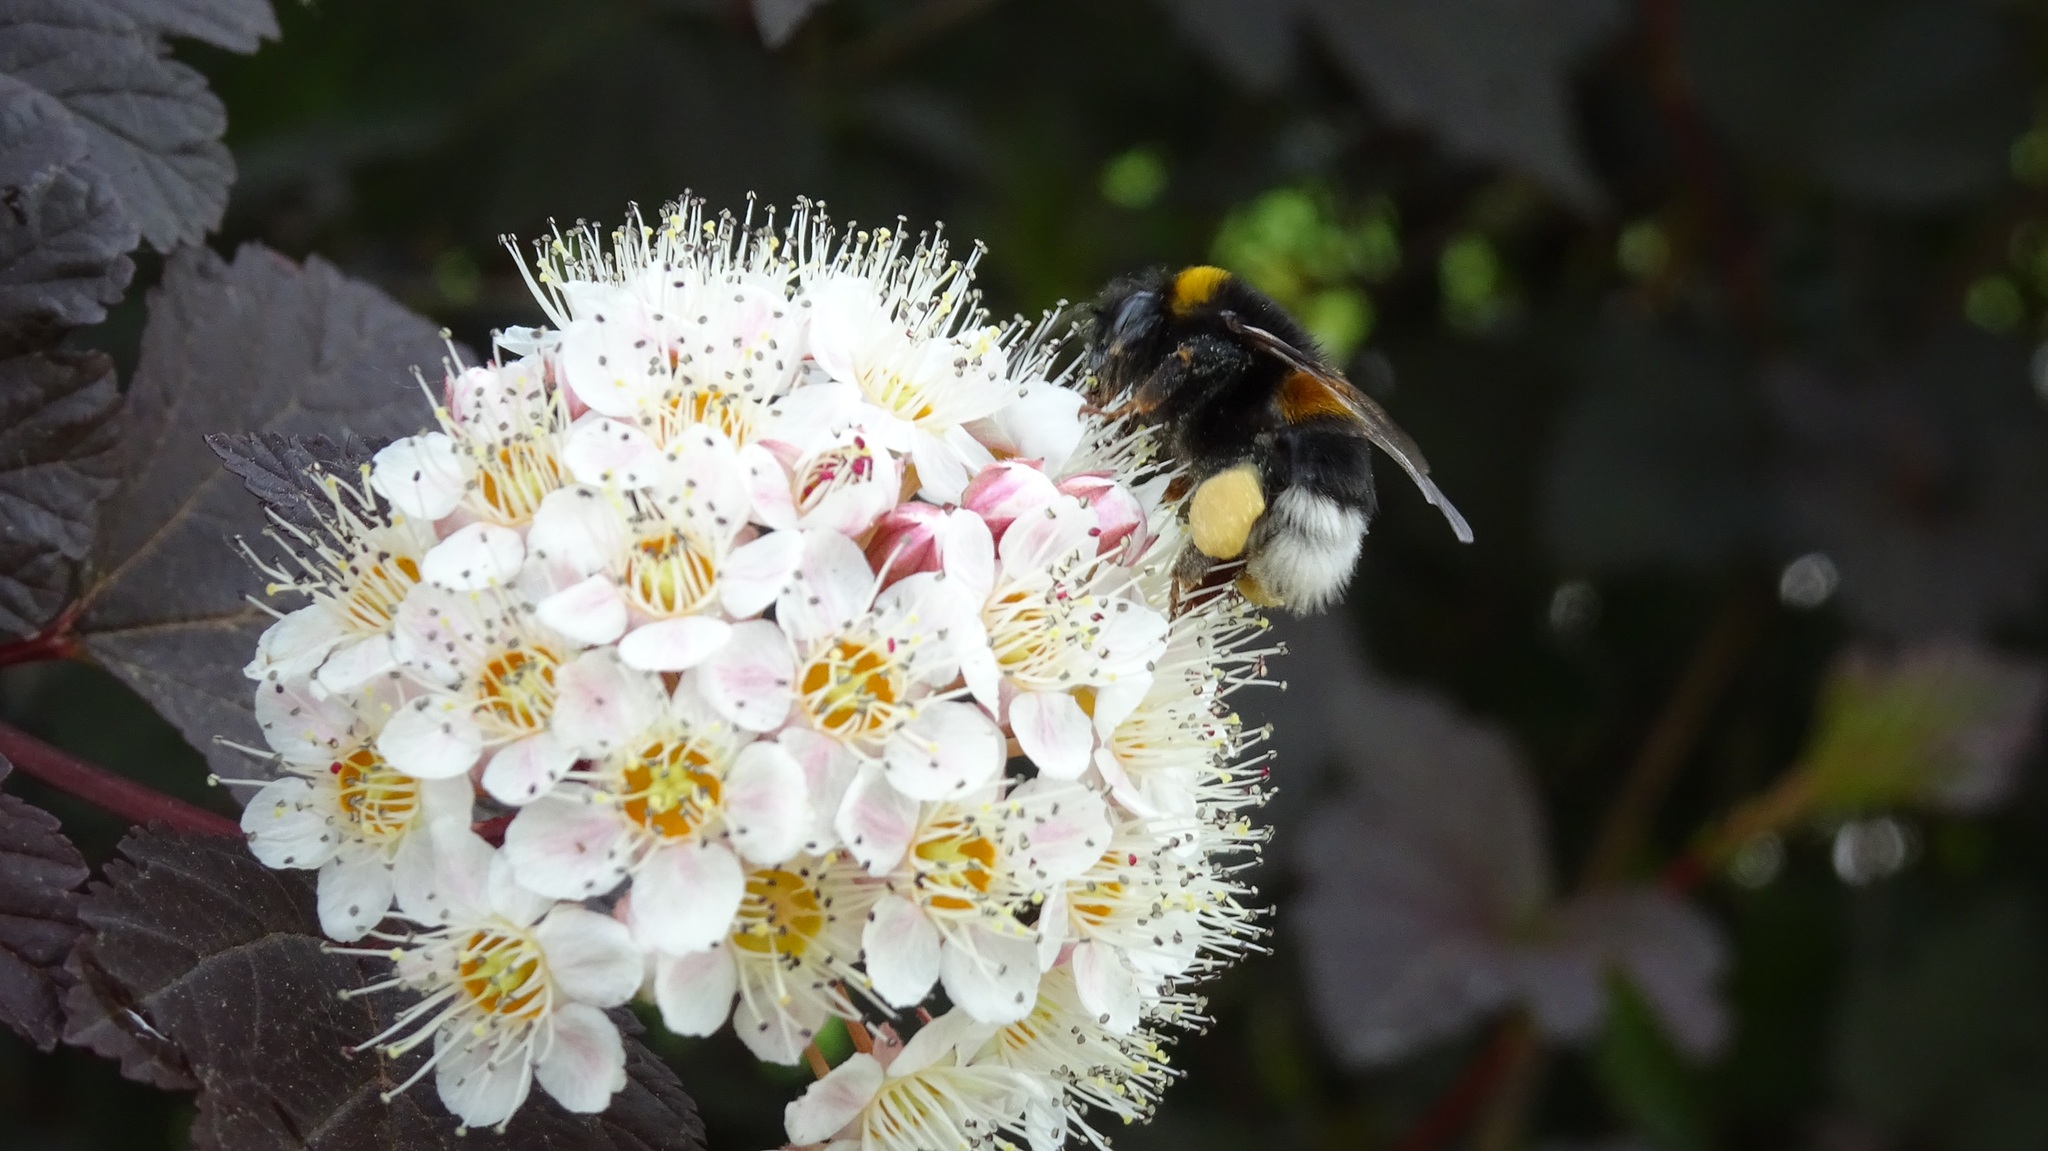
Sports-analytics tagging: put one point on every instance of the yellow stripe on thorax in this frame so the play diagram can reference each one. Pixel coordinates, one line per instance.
(1194, 287)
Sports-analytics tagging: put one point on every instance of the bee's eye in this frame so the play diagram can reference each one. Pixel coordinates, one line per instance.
(1131, 315)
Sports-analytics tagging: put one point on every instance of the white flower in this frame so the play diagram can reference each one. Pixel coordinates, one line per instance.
(482, 674)
(787, 960)
(341, 809)
(680, 801)
(929, 1097)
(819, 633)
(962, 889)
(512, 986)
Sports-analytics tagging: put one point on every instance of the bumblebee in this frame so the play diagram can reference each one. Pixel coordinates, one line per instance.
(1276, 442)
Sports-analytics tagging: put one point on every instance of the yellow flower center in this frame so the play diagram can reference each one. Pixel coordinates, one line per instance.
(519, 688)
(781, 915)
(729, 412)
(851, 690)
(954, 867)
(667, 575)
(515, 477)
(379, 801)
(671, 790)
(503, 975)
(376, 586)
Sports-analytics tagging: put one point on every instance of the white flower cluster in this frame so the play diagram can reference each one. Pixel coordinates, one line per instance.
(817, 639)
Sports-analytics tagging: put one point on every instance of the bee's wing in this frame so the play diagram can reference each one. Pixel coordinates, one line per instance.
(1379, 427)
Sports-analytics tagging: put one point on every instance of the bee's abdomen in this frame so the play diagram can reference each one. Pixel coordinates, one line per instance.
(1304, 549)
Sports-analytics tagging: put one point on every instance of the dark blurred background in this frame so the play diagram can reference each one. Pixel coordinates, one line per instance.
(1721, 319)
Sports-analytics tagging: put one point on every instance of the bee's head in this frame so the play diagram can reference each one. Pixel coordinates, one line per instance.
(1129, 332)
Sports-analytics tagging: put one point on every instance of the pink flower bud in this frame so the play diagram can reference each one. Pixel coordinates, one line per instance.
(1118, 514)
(1003, 491)
(906, 539)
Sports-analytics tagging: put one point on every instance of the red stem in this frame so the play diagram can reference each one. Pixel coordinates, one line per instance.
(1454, 1111)
(55, 641)
(105, 790)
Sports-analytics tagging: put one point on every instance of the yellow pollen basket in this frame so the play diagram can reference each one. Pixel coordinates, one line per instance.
(851, 689)
(519, 688)
(1223, 510)
(502, 975)
(377, 800)
(666, 575)
(962, 861)
(780, 915)
(671, 791)
(1194, 287)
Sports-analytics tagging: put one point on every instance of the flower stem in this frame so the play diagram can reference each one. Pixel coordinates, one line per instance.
(1504, 1053)
(104, 789)
(55, 641)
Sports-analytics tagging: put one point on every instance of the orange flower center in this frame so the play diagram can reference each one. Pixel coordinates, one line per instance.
(954, 867)
(378, 800)
(781, 915)
(671, 790)
(667, 575)
(851, 690)
(503, 975)
(519, 688)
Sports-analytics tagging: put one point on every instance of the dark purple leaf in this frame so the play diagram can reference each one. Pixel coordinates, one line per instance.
(1924, 482)
(778, 20)
(284, 472)
(262, 345)
(37, 136)
(1492, 77)
(40, 873)
(215, 965)
(1254, 39)
(151, 126)
(57, 456)
(237, 25)
(1427, 895)
(64, 247)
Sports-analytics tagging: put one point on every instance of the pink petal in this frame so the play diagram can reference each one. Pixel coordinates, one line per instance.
(695, 991)
(834, 1101)
(902, 949)
(590, 611)
(876, 821)
(602, 451)
(757, 572)
(685, 896)
(1053, 730)
(948, 749)
(749, 680)
(674, 644)
(527, 769)
(583, 1064)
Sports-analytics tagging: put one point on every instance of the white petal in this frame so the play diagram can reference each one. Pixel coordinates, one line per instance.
(564, 846)
(828, 771)
(578, 526)
(768, 485)
(591, 611)
(602, 451)
(591, 957)
(525, 770)
(478, 1089)
(685, 895)
(303, 726)
(902, 950)
(353, 665)
(951, 1032)
(775, 1031)
(989, 975)
(286, 827)
(968, 552)
(845, 314)
(1069, 829)
(507, 897)
(695, 991)
(583, 1064)
(431, 739)
(1115, 702)
(1107, 988)
(1053, 730)
(602, 706)
(354, 894)
(294, 647)
(443, 799)
(749, 680)
(474, 558)
(875, 821)
(832, 586)
(456, 887)
(834, 1101)
(423, 476)
(1054, 928)
(767, 812)
(757, 572)
(674, 644)
(948, 749)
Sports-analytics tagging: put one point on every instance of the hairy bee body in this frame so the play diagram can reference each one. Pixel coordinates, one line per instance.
(1276, 443)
